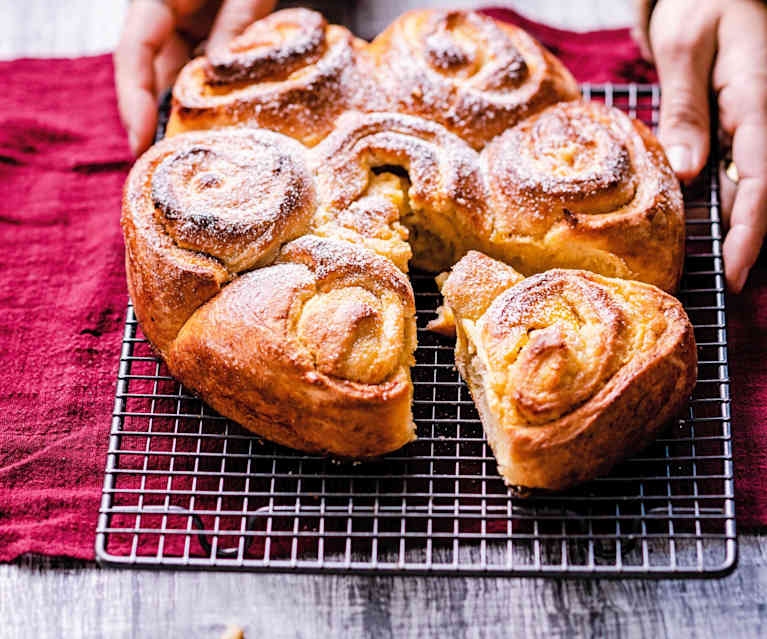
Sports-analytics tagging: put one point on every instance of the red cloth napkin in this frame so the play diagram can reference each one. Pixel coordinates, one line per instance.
(747, 326)
(63, 160)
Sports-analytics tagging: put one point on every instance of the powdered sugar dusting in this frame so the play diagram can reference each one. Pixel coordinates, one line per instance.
(242, 196)
(302, 103)
(443, 170)
(234, 195)
(571, 162)
(270, 49)
(331, 260)
(560, 337)
(467, 72)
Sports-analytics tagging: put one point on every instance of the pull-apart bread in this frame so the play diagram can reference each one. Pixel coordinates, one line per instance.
(305, 171)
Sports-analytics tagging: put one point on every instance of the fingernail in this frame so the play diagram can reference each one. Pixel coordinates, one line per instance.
(132, 142)
(680, 158)
(741, 281)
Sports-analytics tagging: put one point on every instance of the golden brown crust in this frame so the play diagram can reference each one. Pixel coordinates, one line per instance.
(604, 199)
(312, 352)
(166, 283)
(235, 195)
(202, 206)
(475, 281)
(571, 371)
(472, 284)
(581, 185)
(445, 196)
(270, 49)
(472, 74)
(290, 72)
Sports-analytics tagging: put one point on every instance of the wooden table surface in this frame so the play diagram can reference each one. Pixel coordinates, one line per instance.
(45, 598)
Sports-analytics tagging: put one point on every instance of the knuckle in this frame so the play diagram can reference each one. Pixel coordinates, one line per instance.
(752, 230)
(740, 99)
(672, 46)
(681, 107)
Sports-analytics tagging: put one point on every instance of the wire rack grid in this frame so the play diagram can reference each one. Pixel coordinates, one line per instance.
(185, 487)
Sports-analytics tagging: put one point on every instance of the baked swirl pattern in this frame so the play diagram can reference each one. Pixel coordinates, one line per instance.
(581, 185)
(570, 371)
(267, 265)
(271, 48)
(470, 73)
(313, 352)
(440, 201)
(236, 196)
(290, 72)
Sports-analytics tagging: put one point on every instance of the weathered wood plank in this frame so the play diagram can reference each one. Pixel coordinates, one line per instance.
(44, 599)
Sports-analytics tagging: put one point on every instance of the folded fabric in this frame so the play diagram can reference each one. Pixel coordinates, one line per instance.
(63, 160)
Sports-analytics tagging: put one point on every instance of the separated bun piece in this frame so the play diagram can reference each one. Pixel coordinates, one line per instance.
(473, 74)
(582, 185)
(429, 176)
(312, 352)
(203, 206)
(572, 371)
(553, 343)
(471, 286)
(290, 72)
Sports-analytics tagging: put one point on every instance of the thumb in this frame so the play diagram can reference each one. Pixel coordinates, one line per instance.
(148, 25)
(684, 59)
(234, 17)
(639, 32)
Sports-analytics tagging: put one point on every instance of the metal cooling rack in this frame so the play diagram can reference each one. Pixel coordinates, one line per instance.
(185, 487)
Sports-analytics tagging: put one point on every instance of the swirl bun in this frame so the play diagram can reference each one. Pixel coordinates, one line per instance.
(235, 195)
(202, 206)
(290, 72)
(322, 339)
(470, 73)
(581, 185)
(441, 200)
(270, 49)
(571, 371)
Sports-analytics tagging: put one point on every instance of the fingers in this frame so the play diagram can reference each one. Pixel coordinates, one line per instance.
(640, 30)
(740, 78)
(683, 42)
(234, 17)
(726, 194)
(748, 221)
(148, 25)
(150, 54)
(174, 54)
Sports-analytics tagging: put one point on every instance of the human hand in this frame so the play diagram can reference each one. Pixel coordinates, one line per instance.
(158, 38)
(700, 45)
